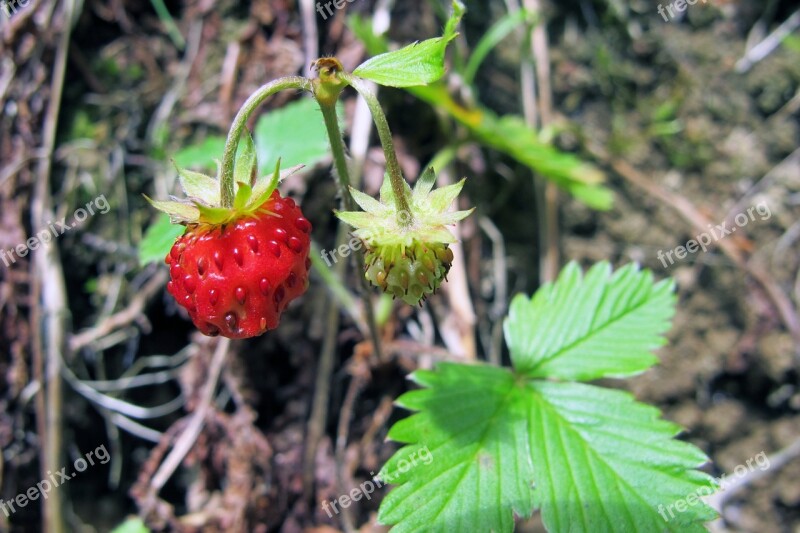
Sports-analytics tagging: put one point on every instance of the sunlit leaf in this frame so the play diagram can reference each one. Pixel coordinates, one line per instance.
(158, 240)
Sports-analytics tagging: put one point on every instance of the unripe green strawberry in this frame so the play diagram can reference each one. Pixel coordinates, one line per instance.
(236, 267)
(408, 254)
(410, 274)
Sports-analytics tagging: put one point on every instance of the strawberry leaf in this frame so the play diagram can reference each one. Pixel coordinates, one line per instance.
(480, 473)
(605, 462)
(295, 133)
(201, 155)
(591, 459)
(590, 327)
(505, 442)
(158, 239)
(416, 64)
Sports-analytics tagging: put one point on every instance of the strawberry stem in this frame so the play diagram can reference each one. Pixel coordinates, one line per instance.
(405, 217)
(226, 185)
(326, 90)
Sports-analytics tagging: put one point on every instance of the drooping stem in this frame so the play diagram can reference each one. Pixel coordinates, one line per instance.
(337, 149)
(327, 95)
(404, 214)
(226, 186)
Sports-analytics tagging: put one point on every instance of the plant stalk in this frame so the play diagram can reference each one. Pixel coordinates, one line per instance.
(336, 140)
(226, 185)
(404, 214)
(337, 149)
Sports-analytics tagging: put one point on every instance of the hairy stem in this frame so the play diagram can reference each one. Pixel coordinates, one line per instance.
(337, 149)
(404, 215)
(226, 185)
(328, 108)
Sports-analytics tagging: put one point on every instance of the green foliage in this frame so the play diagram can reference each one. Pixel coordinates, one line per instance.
(131, 525)
(499, 31)
(508, 134)
(588, 328)
(468, 417)
(507, 441)
(201, 155)
(417, 63)
(158, 239)
(294, 133)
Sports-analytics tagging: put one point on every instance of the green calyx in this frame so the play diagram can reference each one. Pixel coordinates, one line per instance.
(407, 251)
(203, 204)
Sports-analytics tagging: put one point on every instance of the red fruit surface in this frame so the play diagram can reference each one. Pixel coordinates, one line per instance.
(236, 279)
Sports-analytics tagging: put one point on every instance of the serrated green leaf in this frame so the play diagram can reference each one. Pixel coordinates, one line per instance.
(587, 328)
(199, 186)
(416, 64)
(508, 134)
(605, 462)
(294, 133)
(480, 471)
(245, 167)
(591, 459)
(158, 240)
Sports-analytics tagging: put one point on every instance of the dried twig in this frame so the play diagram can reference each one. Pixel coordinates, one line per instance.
(49, 280)
(500, 277)
(737, 483)
(130, 314)
(319, 407)
(360, 373)
(772, 41)
(187, 439)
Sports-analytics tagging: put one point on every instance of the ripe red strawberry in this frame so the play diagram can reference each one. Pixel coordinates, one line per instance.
(244, 254)
(236, 279)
